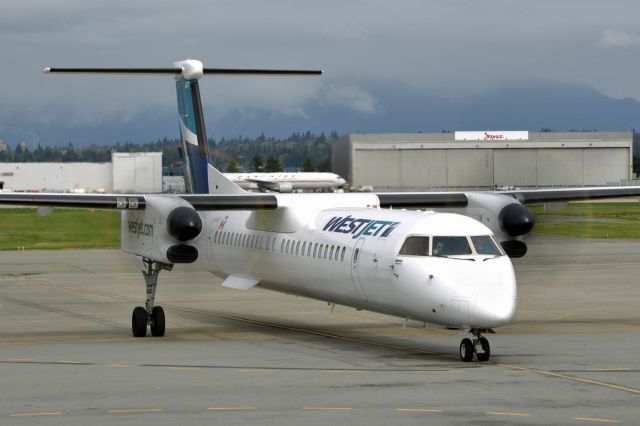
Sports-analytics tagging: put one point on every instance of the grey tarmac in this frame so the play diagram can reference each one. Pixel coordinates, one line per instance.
(67, 356)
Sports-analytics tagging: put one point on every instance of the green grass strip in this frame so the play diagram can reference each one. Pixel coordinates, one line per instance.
(625, 229)
(22, 229)
(603, 210)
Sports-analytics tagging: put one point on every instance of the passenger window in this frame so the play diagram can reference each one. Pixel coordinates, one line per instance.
(484, 244)
(273, 244)
(309, 250)
(344, 250)
(450, 246)
(331, 253)
(297, 248)
(326, 248)
(282, 246)
(415, 246)
(286, 250)
(304, 246)
(315, 249)
(337, 253)
(355, 256)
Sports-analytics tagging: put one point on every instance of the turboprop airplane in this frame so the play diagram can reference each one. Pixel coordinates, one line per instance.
(287, 182)
(355, 249)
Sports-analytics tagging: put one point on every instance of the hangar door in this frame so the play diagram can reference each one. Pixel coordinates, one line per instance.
(515, 167)
(423, 169)
(604, 165)
(378, 168)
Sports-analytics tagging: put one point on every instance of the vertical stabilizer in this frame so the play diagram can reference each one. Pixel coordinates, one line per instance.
(192, 129)
(200, 176)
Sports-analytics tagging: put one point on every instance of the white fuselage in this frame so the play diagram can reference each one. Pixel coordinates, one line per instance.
(297, 181)
(350, 256)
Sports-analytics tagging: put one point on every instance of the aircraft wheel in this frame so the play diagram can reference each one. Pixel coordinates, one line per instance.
(484, 356)
(157, 321)
(466, 350)
(139, 322)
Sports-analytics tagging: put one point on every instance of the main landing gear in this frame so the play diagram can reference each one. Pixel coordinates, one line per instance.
(479, 345)
(152, 316)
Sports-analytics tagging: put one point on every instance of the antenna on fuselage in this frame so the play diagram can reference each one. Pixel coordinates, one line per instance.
(192, 128)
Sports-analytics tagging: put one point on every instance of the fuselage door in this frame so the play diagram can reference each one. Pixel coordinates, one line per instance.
(355, 269)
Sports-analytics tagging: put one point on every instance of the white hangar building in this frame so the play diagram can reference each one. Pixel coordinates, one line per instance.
(483, 160)
(136, 172)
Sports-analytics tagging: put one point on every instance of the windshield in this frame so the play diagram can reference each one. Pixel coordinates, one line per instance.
(484, 244)
(451, 246)
(415, 246)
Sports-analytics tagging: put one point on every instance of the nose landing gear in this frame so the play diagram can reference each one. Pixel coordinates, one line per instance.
(479, 346)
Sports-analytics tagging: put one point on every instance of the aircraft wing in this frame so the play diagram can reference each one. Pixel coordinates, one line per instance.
(422, 199)
(523, 196)
(138, 202)
(571, 194)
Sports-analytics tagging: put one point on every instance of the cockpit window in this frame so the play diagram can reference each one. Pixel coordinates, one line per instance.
(415, 246)
(484, 244)
(450, 246)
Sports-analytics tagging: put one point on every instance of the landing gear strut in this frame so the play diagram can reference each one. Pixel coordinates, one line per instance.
(479, 346)
(150, 315)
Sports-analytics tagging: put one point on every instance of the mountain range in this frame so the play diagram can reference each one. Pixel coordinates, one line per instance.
(376, 107)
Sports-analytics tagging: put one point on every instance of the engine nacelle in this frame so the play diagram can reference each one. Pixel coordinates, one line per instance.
(162, 231)
(505, 216)
(285, 187)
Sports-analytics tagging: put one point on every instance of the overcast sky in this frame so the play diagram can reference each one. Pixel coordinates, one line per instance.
(453, 48)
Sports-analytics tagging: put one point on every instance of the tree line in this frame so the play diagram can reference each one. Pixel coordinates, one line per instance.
(303, 151)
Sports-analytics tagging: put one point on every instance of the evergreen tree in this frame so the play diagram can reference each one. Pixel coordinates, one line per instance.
(307, 165)
(273, 164)
(232, 166)
(257, 163)
(325, 165)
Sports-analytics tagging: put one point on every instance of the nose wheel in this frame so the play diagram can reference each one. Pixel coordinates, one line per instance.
(478, 346)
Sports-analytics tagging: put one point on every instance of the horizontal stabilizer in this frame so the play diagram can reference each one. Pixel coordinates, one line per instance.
(178, 71)
(240, 283)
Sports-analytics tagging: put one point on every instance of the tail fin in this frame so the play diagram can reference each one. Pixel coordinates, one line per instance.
(200, 176)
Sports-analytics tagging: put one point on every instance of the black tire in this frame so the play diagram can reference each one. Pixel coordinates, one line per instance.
(139, 322)
(466, 350)
(157, 321)
(486, 348)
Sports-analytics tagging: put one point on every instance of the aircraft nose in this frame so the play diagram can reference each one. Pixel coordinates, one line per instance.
(495, 303)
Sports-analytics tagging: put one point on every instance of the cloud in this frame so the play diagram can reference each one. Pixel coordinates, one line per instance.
(353, 98)
(614, 38)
